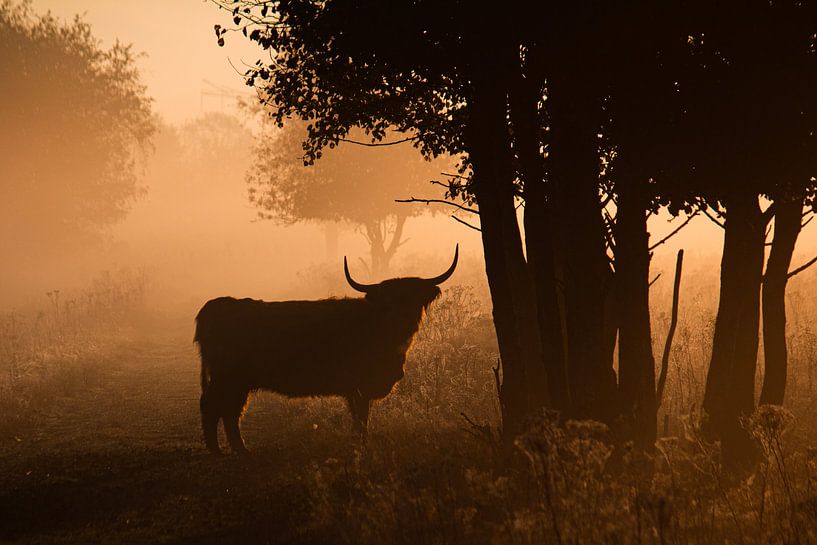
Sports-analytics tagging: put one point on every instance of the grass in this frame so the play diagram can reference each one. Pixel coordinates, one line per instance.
(58, 348)
(116, 455)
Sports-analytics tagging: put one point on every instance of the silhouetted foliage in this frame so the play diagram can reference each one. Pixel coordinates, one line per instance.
(594, 116)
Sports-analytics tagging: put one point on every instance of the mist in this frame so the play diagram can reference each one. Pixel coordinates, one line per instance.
(407, 272)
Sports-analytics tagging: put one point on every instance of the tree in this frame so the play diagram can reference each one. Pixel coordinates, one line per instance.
(739, 148)
(77, 119)
(567, 109)
(351, 183)
(380, 66)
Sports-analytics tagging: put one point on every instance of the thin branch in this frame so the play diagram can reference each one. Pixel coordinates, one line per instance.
(474, 227)
(378, 144)
(654, 280)
(806, 222)
(455, 175)
(674, 232)
(713, 218)
(802, 268)
(768, 214)
(439, 201)
(609, 223)
(439, 183)
(662, 377)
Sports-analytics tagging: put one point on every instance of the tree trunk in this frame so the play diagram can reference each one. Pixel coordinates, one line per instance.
(787, 218)
(524, 384)
(636, 364)
(380, 252)
(539, 235)
(574, 168)
(730, 383)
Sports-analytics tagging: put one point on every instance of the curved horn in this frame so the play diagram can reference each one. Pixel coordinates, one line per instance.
(447, 274)
(364, 288)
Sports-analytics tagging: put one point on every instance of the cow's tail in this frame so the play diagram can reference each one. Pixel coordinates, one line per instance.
(205, 376)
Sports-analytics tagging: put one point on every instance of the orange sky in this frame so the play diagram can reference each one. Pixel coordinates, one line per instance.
(177, 37)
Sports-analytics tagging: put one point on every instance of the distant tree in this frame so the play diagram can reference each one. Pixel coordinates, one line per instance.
(351, 183)
(214, 142)
(75, 119)
(195, 164)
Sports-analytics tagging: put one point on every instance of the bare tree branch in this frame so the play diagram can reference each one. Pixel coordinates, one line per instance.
(654, 280)
(768, 214)
(378, 144)
(802, 268)
(674, 232)
(662, 376)
(455, 175)
(439, 183)
(713, 218)
(475, 228)
(439, 201)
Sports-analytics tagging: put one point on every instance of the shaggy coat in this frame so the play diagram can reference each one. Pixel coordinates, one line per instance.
(353, 348)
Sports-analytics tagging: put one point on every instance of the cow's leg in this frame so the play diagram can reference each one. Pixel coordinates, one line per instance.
(359, 407)
(235, 401)
(210, 414)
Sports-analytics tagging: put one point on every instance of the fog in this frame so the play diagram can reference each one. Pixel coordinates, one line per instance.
(141, 180)
(193, 231)
(189, 226)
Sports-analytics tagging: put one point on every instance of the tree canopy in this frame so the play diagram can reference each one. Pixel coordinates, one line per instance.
(593, 115)
(81, 119)
(351, 183)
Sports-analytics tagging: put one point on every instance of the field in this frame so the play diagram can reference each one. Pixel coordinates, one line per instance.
(100, 443)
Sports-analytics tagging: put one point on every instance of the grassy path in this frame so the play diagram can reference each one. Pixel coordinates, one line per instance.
(120, 461)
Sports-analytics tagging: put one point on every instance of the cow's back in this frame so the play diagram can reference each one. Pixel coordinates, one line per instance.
(297, 348)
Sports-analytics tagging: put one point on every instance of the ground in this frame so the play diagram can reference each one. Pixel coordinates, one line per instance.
(122, 460)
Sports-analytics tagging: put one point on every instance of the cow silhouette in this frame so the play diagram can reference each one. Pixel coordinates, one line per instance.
(350, 347)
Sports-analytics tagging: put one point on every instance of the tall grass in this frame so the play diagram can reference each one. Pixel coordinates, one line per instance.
(54, 349)
(434, 472)
(429, 476)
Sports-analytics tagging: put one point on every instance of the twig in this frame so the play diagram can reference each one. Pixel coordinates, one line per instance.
(498, 381)
(674, 232)
(378, 144)
(769, 213)
(711, 217)
(802, 268)
(439, 201)
(439, 183)
(474, 227)
(455, 175)
(662, 377)
(654, 280)
(483, 432)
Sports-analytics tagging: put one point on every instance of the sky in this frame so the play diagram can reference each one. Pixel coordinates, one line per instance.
(177, 38)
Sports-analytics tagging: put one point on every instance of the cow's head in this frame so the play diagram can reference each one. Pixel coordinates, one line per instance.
(403, 291)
